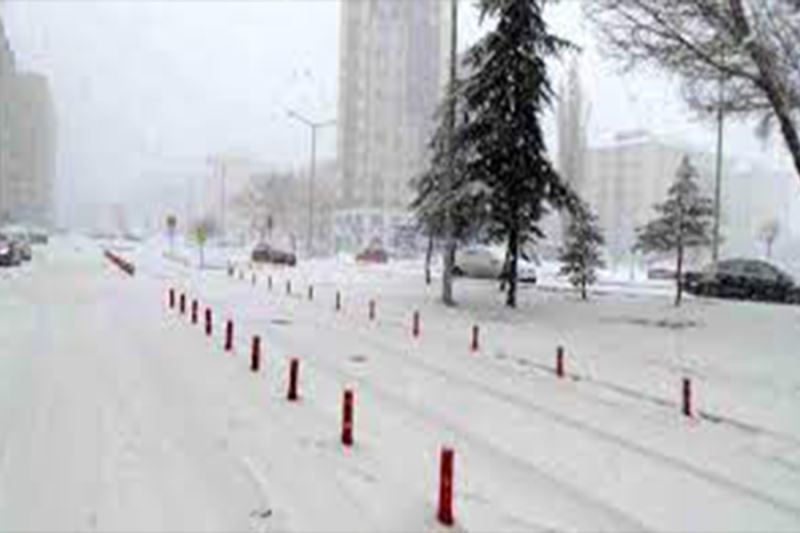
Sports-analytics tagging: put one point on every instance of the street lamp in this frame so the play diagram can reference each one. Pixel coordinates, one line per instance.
(314, 127)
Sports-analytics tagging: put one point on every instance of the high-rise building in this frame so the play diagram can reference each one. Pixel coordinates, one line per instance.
(29, 165)
(6, 73)
(391, 74)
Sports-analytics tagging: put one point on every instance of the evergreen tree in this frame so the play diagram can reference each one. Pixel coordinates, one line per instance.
(682, 221)
(581, 254)
(504, 98)
(435, 193)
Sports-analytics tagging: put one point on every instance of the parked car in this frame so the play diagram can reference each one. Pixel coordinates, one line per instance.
(743, 279)
(488, 262)
(264, 253)
(373, 254)
(9, 254)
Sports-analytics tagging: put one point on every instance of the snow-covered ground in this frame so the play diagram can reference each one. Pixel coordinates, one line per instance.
(117, 413)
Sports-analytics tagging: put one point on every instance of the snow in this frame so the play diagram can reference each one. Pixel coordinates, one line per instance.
(117, 414)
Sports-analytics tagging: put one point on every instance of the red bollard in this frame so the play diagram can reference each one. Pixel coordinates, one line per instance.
(294, 369)
(687, 397)
(347, 418)
(194, 311)
(182, 304)
(208, 322)
(415, 324)
(255, 354)
(560, 361)
(475, 345)
(338, 301)
(372, 309)
(310, 292)
(172, 298)
(229, 336)
(445, 513)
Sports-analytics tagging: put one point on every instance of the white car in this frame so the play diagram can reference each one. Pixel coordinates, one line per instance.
(487, 262)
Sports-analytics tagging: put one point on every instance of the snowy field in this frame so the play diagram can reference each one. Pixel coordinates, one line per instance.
(116, 413)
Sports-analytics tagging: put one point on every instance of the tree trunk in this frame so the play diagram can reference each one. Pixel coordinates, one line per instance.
(513, 249)
(428, 256)
(449, 233)
(679, 274)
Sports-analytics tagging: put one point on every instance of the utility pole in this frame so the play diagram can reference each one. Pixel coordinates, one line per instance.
(313, 167)
(450, 242)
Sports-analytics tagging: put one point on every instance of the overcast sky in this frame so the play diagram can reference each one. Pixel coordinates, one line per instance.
(145, 90)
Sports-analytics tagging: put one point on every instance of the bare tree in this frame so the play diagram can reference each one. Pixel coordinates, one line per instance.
(750, 44)
(768, 232)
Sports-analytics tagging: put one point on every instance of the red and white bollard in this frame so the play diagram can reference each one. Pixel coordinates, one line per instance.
(347, 418)
(560, 361)
(208, 321)
(310, 292)
(229, 336)
(372, 309)
(172, 298)
(182, 304)
(475, 344)
(338, 301)
(255, 354)
(445, 511)
(415, 324)
(687, 397)
(294, 371)
(194, 311)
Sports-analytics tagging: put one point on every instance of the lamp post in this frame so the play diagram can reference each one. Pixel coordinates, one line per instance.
(314, 127)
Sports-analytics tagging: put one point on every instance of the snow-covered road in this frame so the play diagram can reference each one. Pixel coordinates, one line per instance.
(117, 414)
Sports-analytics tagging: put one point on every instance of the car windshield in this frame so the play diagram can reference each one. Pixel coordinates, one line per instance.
(255, 268)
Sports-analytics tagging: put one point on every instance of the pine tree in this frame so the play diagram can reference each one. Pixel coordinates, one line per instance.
(581, 254)
(682, 221)
(467, 201)
(504, 99)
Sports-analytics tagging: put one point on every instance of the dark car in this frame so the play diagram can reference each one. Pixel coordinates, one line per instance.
(373, 254)
(743, 279)
(264, 253)
(9, 253)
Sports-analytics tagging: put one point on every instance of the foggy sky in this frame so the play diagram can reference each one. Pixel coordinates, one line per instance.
(146, 90)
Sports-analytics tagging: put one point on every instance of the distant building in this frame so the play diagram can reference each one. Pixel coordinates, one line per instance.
(625, 179)
(29, 164)
(27, 143)
(391, 66)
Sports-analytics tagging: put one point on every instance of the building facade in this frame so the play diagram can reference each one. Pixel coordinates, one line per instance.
(625, 179)
(391, 73)
(27, 143)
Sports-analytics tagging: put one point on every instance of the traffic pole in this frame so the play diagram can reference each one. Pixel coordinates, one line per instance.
(347, 418)
(560, 361)
(255, 354)
(294, 370)
(229, 336)
(687, 397)
(445, 512)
